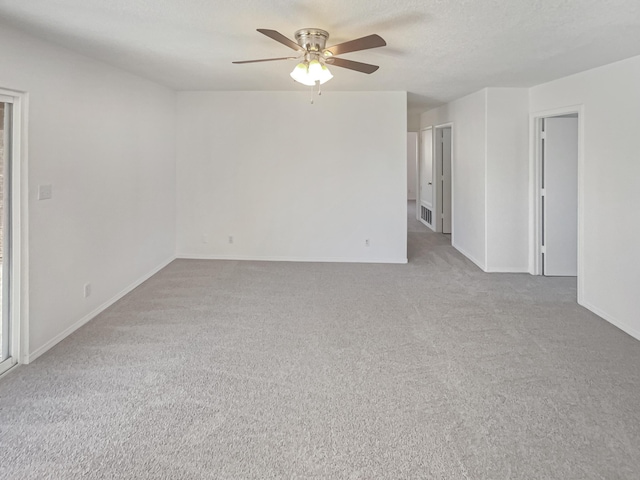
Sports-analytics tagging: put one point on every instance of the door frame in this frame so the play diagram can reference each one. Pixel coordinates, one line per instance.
(438, 174)
(535, 184)
(419, 176)
(19, 234)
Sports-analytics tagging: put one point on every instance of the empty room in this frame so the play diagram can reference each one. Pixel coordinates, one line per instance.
(341, 240)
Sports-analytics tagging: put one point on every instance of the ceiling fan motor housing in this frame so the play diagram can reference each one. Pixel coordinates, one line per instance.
(313, 40)
(311, 47)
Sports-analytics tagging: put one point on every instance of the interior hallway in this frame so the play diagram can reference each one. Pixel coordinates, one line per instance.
(227, 369)
(420, 238)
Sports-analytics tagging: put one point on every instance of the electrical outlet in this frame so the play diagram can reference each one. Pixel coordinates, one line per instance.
(366, 242)
(87, 290)
(230, 238)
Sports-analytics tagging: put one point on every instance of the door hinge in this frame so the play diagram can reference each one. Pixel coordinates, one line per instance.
(543, 135)
(543, 192)
(543, 249)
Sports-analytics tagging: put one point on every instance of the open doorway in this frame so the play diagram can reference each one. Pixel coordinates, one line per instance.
(559, 195)
(10, 238)
(435, 179)
(556, 196)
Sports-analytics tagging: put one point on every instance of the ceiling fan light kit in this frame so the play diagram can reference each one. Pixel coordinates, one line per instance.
(310, 72)
(311, 69)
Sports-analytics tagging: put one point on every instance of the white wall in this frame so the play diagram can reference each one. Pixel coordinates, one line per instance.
(468, 115)
(413, 122)
(105, 140)
(490, 176)
(412, 166)
(290, 180)
(610, 186)
(507, 181)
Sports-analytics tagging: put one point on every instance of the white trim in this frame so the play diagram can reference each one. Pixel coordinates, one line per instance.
(469, 256)
(507, 270)
(612, 320)
(486, 176)
(535, 267)
(94, 313)
(7, 365)
(534, 189)
(418, 140)
(425, 223)
(19, 286)
(268, 258)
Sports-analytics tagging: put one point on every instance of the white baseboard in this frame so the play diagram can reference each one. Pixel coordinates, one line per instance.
(94, 313)
(614, 321)
(430, 227)
(507, 270)
(258, 258)
(470, 257)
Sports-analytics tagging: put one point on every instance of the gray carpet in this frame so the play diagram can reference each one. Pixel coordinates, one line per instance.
(435, 370)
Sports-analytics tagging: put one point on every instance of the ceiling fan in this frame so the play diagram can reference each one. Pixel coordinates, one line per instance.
(314, 56)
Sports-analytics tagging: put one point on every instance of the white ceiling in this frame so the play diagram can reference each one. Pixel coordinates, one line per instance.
(438, 50)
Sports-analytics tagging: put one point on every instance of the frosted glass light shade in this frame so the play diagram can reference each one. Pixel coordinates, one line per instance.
(325, 75)
(310, 73)
(315, 70)
(301, 74)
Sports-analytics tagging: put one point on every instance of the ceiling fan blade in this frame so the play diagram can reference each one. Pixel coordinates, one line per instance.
(266, 60)
(370, 41)
(278, 37)
(350, 64)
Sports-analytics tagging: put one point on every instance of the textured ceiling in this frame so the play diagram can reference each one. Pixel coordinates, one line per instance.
(438, 50)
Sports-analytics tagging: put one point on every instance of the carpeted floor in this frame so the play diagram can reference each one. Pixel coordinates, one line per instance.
(233, 370)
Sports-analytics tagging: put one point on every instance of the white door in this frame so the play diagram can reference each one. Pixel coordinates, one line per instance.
(560, 196)
(445, 187)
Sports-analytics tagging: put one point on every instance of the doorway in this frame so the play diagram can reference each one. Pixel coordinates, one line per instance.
(559, 195)
(10, 238)
(424, 203)
(443, 148)
(556, 191)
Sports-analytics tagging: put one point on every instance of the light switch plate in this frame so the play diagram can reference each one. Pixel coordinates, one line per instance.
(45, 192)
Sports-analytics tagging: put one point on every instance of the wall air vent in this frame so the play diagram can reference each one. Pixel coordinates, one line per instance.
(426, 215)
